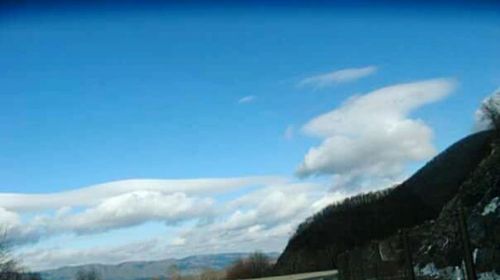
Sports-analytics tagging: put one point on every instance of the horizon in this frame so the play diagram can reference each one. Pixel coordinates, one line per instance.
(161, 131)
(168, 259)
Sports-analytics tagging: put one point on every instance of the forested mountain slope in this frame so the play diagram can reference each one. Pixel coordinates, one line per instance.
(374, 216)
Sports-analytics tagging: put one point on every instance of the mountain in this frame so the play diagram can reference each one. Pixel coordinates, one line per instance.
(139, 270)
(363, 222)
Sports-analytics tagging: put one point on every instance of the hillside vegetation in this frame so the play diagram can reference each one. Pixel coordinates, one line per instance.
(356, 221)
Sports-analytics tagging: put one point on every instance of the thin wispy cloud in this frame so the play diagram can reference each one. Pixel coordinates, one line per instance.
(337, 77)
(247, 99)
(289, 132)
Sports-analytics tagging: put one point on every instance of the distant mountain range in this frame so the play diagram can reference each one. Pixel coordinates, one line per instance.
(140, 270)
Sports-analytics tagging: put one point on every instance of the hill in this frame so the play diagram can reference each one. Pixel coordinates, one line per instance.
(148, 269)
(357, 221)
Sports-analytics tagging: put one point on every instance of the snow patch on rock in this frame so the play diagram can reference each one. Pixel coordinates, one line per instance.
(492, 275)
(429, 270)
(449, 272)
(492, 206)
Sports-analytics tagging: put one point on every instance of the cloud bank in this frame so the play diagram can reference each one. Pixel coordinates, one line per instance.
(115, 205)
(95, 194)
(198, 211)
(369, 139)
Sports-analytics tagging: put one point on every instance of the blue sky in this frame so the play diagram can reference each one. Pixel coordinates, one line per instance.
(99, 95)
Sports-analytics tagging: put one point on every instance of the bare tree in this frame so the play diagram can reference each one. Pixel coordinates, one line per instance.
(8, 266)
(260, 264)
(173, 272)
(490, 110)
(211, 274)
(238, 270)
(255, 266)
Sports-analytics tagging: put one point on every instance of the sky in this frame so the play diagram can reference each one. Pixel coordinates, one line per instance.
(151, 132)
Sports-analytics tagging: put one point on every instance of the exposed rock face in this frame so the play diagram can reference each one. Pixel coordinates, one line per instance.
(389, 250)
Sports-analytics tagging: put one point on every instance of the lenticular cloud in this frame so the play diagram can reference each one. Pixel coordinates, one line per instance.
(368, 140)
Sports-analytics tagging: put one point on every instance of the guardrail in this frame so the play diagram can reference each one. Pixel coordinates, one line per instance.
(318, 275)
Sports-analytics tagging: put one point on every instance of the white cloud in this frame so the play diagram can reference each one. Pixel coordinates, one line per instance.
(8, 219)
(262, 218)
(96, 194)
(481, 121)
(271, 205)
(136, 208)
(178, 241)
(337, 77)
(370, 138)
(14, 231)
(247, 99)
(115, 205)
